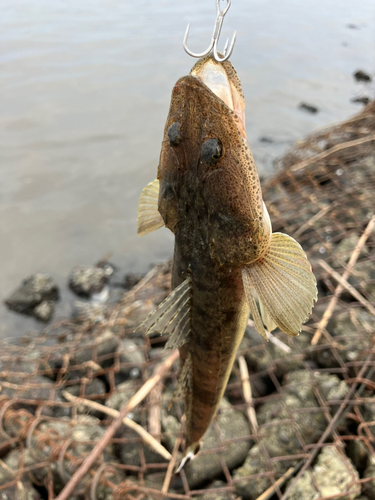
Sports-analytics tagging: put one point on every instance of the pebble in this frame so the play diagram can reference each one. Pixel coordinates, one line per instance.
(87, 280)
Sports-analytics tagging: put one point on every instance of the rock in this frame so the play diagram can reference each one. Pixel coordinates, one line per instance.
(308, 107)
(93, 388)
(369, 486)
(101, 350)
(86, 280)
(255, 463)
(131, 359)
(122, 394)
(358, 453)
(334, 473)
(304, 489)
(331, 387)
(361, 100)
(93, 313)
(361, 76)
(214, 495)
(131, 279)
(33, 290)
(267, 140)
(44, 311)
(131, 449)
(24, 491)
(233, 425)
(346, 246)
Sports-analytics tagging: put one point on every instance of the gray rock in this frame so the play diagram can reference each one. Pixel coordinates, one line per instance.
(131, 450)
(122, 394)
(331, 387)
(369, 486)
(334, 473)
(33, 290)
(86, 280)
(233, 425)
(100, 350)
(94, 388)
(44, 311)
(358, 453)
(304, 488)
(255, 463)
(213, 495)
(346, 246)
(131, 359)
(24, 491)
(362, 76)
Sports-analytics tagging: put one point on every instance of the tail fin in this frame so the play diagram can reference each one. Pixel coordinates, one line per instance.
(190, 453)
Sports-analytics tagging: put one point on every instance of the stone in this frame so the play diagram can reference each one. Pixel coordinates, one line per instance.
(214, 495)
(24, 491)
(308, 107)
(304, 488)
(33, 290)
(362, 76)
(334, 474)
(131, 359)
(99, 349)
(131, 279)
(93, 388)
(44, 311)
(233, 425)
(369, 486)
(358, 453)
(87, 280)
(346, 246)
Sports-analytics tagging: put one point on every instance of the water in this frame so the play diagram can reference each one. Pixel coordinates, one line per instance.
(85, 89)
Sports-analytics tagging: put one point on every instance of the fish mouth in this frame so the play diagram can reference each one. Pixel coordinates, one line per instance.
(216, 78)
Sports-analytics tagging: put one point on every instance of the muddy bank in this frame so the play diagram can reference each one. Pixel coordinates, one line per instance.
(307, 430)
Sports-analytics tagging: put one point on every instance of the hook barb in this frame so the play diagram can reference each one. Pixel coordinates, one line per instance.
(215, 37)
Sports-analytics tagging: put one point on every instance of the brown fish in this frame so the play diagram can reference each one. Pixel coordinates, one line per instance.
(226, 258)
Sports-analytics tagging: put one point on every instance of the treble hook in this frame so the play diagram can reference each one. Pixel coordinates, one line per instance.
(213, 45)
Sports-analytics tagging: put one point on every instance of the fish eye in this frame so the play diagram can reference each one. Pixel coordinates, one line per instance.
(212, 151)
(174, 134)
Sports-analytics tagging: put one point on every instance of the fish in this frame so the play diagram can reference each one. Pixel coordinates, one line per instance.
(227, 263)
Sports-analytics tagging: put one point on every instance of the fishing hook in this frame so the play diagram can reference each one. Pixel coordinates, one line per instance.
(215, 37)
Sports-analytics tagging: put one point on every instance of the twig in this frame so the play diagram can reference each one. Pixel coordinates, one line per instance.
(347, 286)
(313, 219)
(147, 438)
(169, 474)
(353, 259)
(75, 480)
(272, 338)
(334, 149)
(246, 388)
(154, 425)
(271, 490)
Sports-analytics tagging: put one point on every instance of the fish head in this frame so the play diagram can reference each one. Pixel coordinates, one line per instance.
(209, 185)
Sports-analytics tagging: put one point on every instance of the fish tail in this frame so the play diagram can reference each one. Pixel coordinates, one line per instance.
(284, 285)
(189, 454)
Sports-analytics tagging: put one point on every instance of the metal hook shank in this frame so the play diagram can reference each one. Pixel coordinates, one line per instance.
(215, 36)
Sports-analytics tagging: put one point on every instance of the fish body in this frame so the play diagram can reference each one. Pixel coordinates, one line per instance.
(226, 258)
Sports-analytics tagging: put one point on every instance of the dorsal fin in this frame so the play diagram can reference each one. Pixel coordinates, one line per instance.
(149, 218)
(172, 316)
(284, 283)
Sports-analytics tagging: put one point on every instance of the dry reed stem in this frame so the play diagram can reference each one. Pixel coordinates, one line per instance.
(246, 389)
(334, 149)
(170, 469)
(271, 490)
(154, 424)
(75, 480)
(332, 304)
(147, 438)
(347, 286)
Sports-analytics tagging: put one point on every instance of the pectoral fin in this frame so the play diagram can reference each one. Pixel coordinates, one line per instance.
(149, 218)
(284, 284)
(172, 316)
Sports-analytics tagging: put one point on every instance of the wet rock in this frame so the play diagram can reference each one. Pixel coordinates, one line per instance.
(101, 350)
(255, 463)
(131, 359)
(93, 388)
(33, 290)
(361, 100)
(86, 280)
(362, 76)
(24, 491)
(304, 489)
(213, 495)
(44, 311)
(94, 313)
(334, 473)
(346, 246)
(123, 393)
(267, 140)
(358, 454)
(308, 107)
(233, 425)
(331, 387)
(131, 279)
(131, 450)
(369, 486)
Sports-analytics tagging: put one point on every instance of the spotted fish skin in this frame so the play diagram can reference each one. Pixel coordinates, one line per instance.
(226, 259)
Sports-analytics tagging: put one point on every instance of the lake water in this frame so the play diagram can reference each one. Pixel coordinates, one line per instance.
(84, 94)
